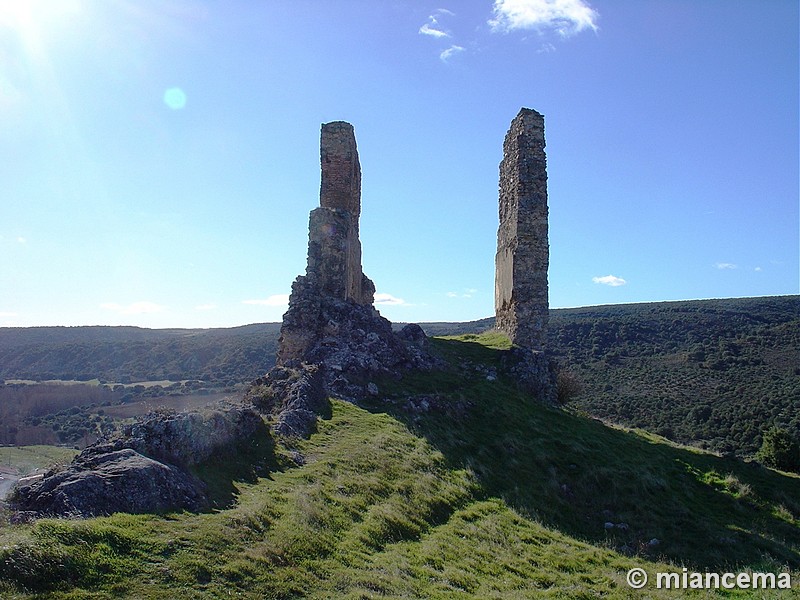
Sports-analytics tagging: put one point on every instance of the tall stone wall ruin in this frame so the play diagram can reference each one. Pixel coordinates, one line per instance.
(331, 321)
(523, 253)
(334, 250)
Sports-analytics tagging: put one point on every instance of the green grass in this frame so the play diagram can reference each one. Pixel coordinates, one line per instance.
(486, 495)
(24, 459)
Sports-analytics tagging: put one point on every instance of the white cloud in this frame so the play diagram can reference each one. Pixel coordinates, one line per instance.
(6, 315)
(610, 280)
(389, 300)
(428, 29)
(467, 293)
(722, 265)
(432, 27)
(206, 307)
(446, 54)
(566, 17)
(275, 300)
(22, 240)
(136, 308)
(758, 269)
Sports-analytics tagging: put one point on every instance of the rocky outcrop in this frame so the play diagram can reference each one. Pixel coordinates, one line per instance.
(142, 470)
(100, 482)
(293, 396)
(331, 332)
(191, 438)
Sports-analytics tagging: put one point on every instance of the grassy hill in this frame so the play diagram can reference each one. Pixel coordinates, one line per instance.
(452, 486)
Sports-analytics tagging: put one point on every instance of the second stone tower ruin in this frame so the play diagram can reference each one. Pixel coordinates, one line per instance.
(523, 252)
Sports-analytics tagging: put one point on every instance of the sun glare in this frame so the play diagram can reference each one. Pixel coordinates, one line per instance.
(28, 18)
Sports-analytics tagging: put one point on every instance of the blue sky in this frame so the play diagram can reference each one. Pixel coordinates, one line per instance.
(159, 158)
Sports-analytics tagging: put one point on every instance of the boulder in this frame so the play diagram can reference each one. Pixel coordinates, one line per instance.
(143, 469)
(103, 483)
(190, 438)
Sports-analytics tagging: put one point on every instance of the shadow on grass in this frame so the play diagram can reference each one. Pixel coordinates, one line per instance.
(631, 491)
(250, 459)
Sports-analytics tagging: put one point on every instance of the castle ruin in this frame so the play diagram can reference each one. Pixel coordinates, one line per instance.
(332, 333)
(334, 251)
(523, 254)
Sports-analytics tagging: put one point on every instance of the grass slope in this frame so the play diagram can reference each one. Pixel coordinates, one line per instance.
(25, 459)
(469, 489)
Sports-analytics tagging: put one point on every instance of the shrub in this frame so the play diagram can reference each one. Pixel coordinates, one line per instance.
(568, 386)
(780, 450)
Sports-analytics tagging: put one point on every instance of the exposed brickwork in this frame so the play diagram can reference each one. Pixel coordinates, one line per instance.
(341, 171)
(333, 342)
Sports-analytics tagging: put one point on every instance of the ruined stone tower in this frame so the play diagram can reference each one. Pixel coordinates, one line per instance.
(334, 248)
(334, 278)
(523, 254)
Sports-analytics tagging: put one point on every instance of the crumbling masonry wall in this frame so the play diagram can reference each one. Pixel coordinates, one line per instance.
(523, 253)
(333, 341)
(333, 270)
(334, 251)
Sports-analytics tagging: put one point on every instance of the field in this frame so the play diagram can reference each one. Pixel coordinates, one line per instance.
(16, 462)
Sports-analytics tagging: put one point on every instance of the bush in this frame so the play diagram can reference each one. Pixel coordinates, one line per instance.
(780, 450)
(568, 386)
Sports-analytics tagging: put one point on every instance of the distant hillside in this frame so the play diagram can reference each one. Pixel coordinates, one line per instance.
(125, 354)
(452, 485)
(715, 373)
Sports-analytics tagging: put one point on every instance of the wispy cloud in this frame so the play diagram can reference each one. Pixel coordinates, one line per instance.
(723, 266)
(565, 17)
(275, 300)
(22, 240)
(8, 319)
(432, 26)
(206, 307)
(389, 300)
(428, 29)
(467, 293)
(136, 308)
(610, 280)
(449, 52)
